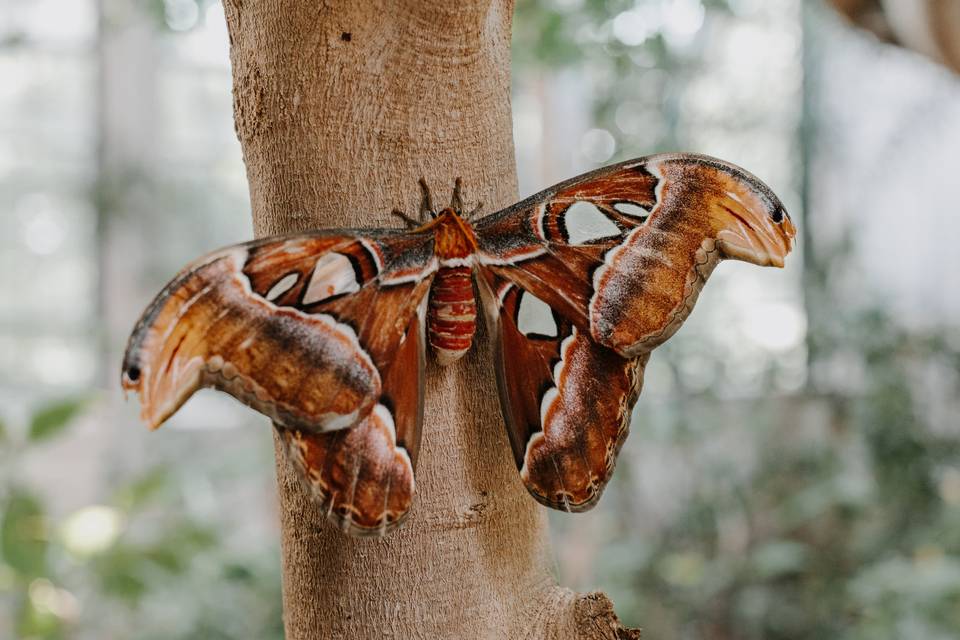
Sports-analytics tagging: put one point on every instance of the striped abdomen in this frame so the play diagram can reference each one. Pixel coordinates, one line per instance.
(453, 312)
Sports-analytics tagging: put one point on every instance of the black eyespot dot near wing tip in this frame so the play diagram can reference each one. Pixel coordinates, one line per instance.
(346, 36)
(133, 373)
(779, 214)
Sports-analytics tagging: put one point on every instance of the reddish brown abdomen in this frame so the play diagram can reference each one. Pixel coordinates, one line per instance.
(453, 312)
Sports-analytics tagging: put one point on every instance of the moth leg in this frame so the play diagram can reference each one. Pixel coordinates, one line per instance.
(456, 201)
(426, 203)
(410, 222)
(475, 211)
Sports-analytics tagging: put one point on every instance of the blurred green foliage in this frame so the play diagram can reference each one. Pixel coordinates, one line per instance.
(53, 418)
(115, 569)
(551, 35)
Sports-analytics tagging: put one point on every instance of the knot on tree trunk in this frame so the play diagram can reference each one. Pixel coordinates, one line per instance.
(596, 619)
(568, 615)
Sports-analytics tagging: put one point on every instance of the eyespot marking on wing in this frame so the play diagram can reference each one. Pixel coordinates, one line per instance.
(282, 285)
(632, 209)
(585, 222)
(535, 317)
(332, 275)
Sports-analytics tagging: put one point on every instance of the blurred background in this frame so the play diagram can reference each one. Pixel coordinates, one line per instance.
(794, 465)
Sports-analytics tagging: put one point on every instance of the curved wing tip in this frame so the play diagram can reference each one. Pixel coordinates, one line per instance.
(566, 504)
(775, 209)
(355, 530)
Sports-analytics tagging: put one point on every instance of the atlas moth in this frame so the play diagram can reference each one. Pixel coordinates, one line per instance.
(326, 332)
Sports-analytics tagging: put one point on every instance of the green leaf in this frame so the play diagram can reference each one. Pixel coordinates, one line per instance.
(121, 573)
(168, 557)
(174, 550)
(190, 538)
(53, 418)
(35, 623)
(141, 491)
(235, 572)
(23, 534)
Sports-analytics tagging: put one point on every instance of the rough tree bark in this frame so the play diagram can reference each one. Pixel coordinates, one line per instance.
(340, 108)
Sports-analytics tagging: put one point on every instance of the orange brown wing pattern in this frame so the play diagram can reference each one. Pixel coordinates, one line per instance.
(615, 259)
(363, 476)
(565, 399)
(299, 328)
(325, 332)
(623, 252)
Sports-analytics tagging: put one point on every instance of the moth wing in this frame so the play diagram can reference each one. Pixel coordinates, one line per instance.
(616, 259)
(364, 476)
(301, 328)
(623, 252)
(565, 399)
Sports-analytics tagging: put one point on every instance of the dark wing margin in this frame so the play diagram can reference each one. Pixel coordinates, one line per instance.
(300, 328)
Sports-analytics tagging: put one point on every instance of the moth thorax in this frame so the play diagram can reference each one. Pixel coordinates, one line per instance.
(453, 312)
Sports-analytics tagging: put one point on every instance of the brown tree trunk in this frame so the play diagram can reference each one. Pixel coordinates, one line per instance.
(340, 108)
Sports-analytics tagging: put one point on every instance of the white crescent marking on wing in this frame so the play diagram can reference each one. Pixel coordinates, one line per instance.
(534, 316)
(282, 285)
(585, 222)
(631, 209)
(332, 275)
(540, 214)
